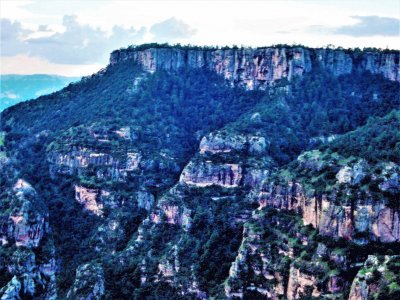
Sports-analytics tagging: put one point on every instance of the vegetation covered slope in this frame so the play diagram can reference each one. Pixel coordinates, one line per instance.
(108, 156)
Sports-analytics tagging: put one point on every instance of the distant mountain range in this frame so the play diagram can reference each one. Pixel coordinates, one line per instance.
(17, 88)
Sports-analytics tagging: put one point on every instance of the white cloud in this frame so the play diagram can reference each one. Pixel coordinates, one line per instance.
(371, 26)
(78, 44)
(172, 30)
(98, 27)
(9, 95)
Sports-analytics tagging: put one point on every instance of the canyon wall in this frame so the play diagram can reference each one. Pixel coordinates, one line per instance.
(27, 242)
(259, 67)
(369, 220)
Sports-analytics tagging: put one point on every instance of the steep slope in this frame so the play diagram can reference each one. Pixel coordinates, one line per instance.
(349, 188)
(378, 279)
(108, 161)
(279, 255)
(27, 253)
(346, 192)
(260, 67)
(176, 183)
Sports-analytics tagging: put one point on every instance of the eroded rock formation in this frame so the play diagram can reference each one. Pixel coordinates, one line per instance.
(89, 283)
(258, 68)
(79, 159)
(373, 218)
(207, 173)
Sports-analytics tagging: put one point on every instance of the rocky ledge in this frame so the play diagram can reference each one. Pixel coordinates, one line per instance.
(259, 67)
(206, 173)
(224, 142)
(89, 283)
(79, 159)
(28, 219)
(368, 220)
(24, 232)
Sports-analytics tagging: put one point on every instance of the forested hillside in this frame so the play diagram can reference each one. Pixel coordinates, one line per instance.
(148, 182)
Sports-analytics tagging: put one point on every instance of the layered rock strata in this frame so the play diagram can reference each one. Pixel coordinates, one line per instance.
(260, 67)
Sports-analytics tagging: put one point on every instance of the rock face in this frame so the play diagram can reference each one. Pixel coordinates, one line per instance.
(224, 142)
(12, 290)
(26, 230)
(352, 175)
(254, 259)
(171, 214)
(207, 173)
(80, 159)
(28, 221)
(95, 200)
(268, 264)
(89, 199)
(383, 63)
(301, 285)
(145, 200)
(375, 276)
(89, 283)
(374, 218)
(258, 68)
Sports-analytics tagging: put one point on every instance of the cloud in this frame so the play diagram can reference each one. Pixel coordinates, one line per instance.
(366, 26)
(44, 28)
(370, 26)
(9, 95)
(78, 44)
(12, 35)
(171, 30)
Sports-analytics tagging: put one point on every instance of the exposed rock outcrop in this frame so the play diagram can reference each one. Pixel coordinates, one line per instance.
(207, 173)
(89, 199)
(376, 279)
(95, 200)
(373, 218)
(26, 228)
(258, 68)
(12, 290)
(89, 283)
(255, 260)
(171, 214)
(301, 285)
(28, 220)
(145, 200)
(79, 159)
(224, 142)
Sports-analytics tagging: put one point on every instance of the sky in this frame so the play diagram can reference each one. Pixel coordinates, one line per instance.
(74, 38)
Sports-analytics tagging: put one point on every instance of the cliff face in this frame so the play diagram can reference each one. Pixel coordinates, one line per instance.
(208, 173)
(89, 283)
(278, 256)
(374, 219)
(78, 159)
(25, 236)
(224, 142)
(376, 279)
(299, 283)
(136, 213)
(258, 68)
(26, 224)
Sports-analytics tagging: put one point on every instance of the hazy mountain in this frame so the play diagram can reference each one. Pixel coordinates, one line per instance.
(17, 88)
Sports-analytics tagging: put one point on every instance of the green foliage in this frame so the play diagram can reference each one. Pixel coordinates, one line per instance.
(377, 141)
(167, 113)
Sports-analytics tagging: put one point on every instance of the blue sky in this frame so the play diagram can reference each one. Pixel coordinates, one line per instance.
(75, 37)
